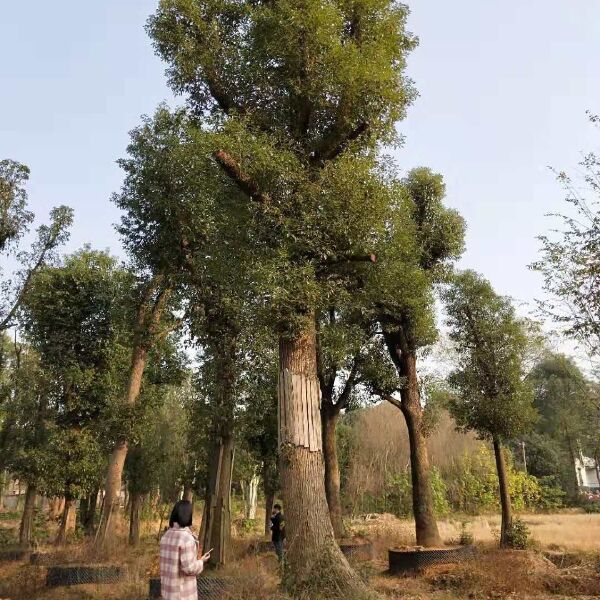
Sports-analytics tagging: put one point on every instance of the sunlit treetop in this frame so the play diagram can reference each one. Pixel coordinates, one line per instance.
(321, 74)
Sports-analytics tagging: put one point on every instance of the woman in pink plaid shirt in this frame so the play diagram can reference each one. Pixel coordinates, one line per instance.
(179, 562)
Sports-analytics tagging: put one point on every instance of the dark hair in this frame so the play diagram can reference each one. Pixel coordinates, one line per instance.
(182, 514)
(277, 506)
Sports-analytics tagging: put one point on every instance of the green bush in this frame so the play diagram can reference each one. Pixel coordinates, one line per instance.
(592, 507)
(552, 496)
(518, 536)
(465, 537)
(10, 516)
(399, 494)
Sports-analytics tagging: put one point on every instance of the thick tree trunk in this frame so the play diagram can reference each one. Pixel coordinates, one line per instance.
(330, 416)
(216, 521)
(26, 527)
(119, 454)
(426, 527)
(136, 503)
(67, 522)
(504, 494)
(314, 562)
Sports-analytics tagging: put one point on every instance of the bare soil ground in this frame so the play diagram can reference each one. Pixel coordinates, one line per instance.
(563, 564)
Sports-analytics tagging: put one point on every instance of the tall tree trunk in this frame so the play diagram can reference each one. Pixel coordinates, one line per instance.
(137, 500)
(330, 416)
(26, 526)
(426, 527)
(504, 494)
(67, 522)
(119, 454)
(250, 492)
(315, 563)
(216, 521)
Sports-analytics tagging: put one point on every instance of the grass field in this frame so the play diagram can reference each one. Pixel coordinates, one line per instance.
(564, 562)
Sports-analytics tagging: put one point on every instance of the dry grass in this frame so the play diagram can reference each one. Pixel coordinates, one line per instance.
(495, 574)
(568, 530)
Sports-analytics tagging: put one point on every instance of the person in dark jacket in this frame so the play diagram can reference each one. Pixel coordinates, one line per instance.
(278, 531)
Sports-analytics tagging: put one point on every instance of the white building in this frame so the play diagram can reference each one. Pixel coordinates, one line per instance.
(587, 473)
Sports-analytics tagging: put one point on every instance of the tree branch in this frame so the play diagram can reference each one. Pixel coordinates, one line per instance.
(334, 144)
(244, 182)
(388, 398)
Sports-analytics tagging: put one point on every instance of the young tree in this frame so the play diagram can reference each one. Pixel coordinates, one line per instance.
(75, 316)
(562, 397)
(493, 396)
(14, 224)
(297, 95)
(24, 429)
(219, 378)
(166, 378)
(164, 226)
(569, 263)
(423, 239)
(258, 417)
(342, 343)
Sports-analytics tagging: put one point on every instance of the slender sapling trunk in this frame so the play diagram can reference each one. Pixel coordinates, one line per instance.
(504, 494)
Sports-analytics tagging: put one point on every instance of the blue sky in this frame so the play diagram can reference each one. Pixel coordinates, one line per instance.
(504, 87)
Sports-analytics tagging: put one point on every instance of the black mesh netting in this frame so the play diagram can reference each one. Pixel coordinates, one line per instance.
(209, 588)
(11, 555)
(79, 575)
(402, 561)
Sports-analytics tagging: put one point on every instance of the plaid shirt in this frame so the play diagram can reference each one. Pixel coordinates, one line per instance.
(179, 564)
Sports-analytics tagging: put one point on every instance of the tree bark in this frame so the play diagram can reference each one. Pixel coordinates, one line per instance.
(504, 494)
(426, 527)
(26, 527)
(330, 416)
(119, 454)
(136, 503)
(250, 493)
(66, 522)
(216, 520)
(314, 562)
(56, 507)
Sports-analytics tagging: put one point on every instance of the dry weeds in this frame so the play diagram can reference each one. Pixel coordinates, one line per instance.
(494, 575)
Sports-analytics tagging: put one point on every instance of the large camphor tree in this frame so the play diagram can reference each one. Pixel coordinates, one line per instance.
(297, 95)
(493, 396)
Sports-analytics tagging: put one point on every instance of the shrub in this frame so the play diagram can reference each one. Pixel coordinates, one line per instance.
(592, 507)
(399, 494)
(552, 496)
(465, 537)
(518, 536)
